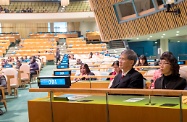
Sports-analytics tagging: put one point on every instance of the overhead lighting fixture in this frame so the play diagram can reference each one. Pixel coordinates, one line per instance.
(177, 34)
(177, 31)
(155, 42)
(148, 38)
(164, 34)
(178, 41)
(151, 36)
(137, 38)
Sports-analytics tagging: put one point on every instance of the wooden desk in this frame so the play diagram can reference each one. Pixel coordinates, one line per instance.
(12, 39)
(118, 108)
(91, 68)
(68, 35)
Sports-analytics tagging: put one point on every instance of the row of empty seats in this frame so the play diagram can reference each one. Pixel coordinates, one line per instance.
(77, 6)
(32, 7)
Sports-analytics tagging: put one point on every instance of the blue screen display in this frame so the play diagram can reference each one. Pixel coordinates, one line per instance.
(61, 73)
(150, 60)
(64, 61)
(52, 81)
(181, 62)
(62, 66)
(7, 66)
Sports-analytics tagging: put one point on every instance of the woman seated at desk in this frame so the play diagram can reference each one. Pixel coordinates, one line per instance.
(142, 61)
(170, 78)
(117, 70)
(85, 71)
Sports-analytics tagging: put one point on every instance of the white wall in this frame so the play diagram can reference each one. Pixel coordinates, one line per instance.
(47, 17)
(91, 26)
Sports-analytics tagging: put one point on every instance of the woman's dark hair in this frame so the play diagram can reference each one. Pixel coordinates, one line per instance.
(86, 67)
(142, 57)
(115, 63)
(168, 56)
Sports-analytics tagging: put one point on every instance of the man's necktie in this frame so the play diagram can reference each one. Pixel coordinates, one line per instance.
(122, 76)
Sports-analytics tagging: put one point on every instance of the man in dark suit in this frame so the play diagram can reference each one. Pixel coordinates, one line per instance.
(129, 78)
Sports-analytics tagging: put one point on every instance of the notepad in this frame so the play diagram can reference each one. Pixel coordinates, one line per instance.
(71, 97)
(133, 100)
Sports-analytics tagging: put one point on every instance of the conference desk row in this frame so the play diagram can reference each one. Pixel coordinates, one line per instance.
(95, 105)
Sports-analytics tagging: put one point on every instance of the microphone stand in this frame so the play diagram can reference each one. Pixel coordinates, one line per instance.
(90, 83)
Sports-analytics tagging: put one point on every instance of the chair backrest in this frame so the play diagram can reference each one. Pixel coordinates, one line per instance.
(26, 70)
(14, 72)
(44, 58)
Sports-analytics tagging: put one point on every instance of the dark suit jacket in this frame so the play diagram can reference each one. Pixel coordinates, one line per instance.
(133, 79)
(176, 83)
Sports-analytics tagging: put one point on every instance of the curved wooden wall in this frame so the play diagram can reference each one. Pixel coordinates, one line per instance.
(110, 29)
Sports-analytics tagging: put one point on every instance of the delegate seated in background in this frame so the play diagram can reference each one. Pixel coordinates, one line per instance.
(18, 64)
(71, 56)
(57, 55)
(33, 66)
(85, 71)
(107, 53)
(116, 69)
(90, 55)
(170, 70)
(79, 62)
(3, 82)
(142, 61)
(129, 77)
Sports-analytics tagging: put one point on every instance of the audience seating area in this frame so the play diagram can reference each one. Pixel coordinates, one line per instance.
(52, 37)
(34, 47)
(4, 45)
(93, 36)
(44, 7)
(31, 7)
(79, 46)
(77, 6)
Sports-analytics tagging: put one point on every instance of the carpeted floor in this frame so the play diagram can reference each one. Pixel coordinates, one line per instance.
(17, 107)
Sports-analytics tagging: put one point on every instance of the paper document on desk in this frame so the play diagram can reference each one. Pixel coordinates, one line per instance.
(73, 97)
(133, 100)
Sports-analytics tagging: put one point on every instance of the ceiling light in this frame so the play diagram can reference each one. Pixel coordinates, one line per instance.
(155, 42)
(137, 38)
(151, 36)
(177, 31)
(164, 34)
(177, 34)
(148, 38)
(178, 41)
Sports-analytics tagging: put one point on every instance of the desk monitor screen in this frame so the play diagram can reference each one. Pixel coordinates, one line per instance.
(62, 73)
(54, 82)
(151, 60)
(61, 63)
(181, 62)
(62, 66)
(7, 66)
(65, 61)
